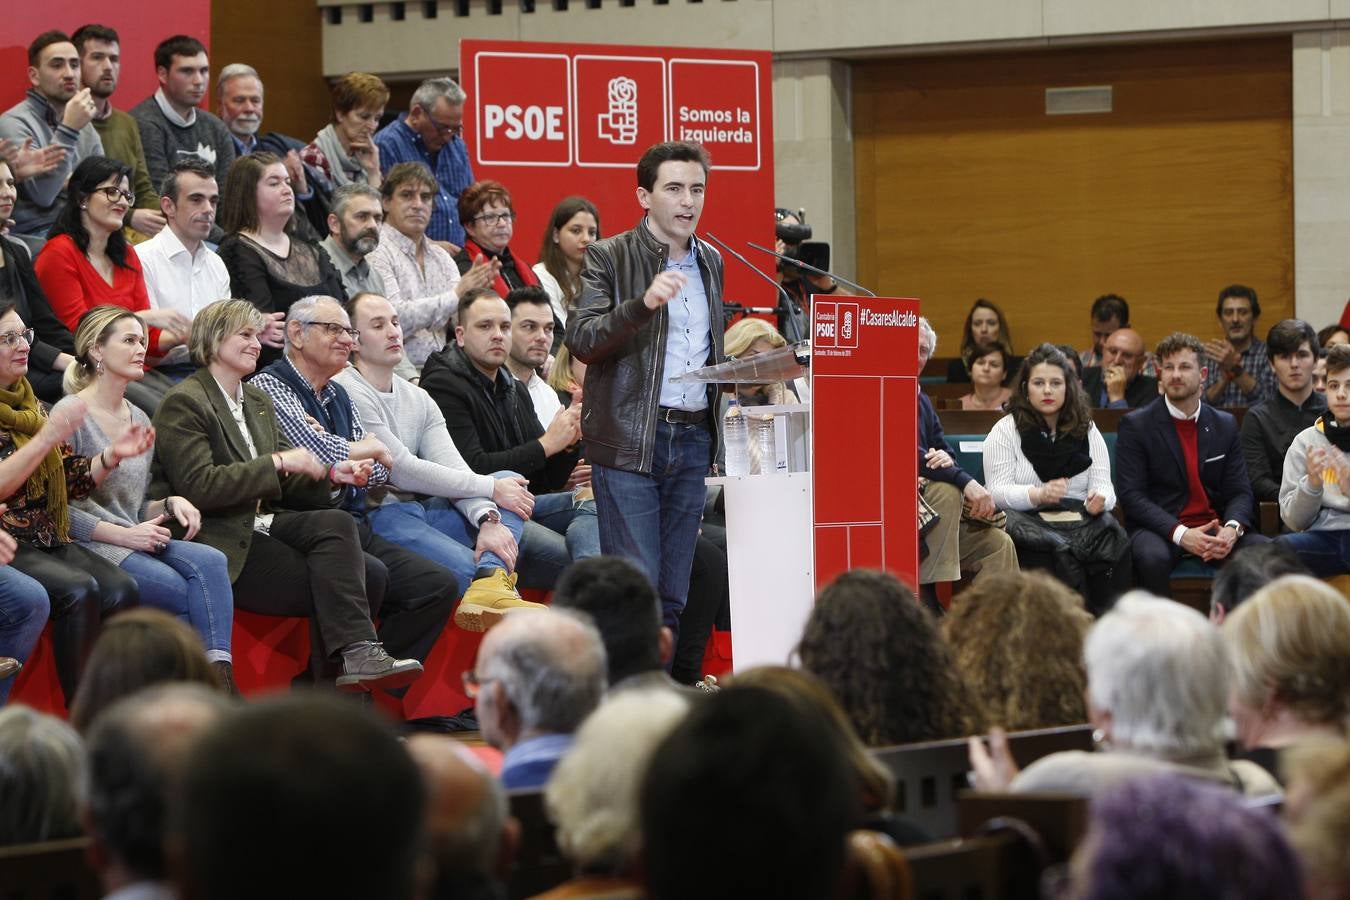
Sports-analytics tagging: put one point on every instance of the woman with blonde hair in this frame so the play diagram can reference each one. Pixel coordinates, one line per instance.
(119, 521)
(1290, 649)
(1004, 629)
(751, 337)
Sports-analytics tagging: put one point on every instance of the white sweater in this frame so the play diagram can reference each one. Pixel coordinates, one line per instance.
(1010, 476)
(1302, 508)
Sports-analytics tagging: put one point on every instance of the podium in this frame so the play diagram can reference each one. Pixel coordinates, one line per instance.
(848, 498)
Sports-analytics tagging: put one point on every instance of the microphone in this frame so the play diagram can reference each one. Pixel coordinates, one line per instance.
(812, 269)
(789, 311)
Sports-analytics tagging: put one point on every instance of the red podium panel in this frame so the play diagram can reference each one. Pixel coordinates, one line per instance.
(864, 405)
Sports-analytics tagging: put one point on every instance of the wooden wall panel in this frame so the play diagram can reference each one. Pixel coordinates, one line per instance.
(966, 188)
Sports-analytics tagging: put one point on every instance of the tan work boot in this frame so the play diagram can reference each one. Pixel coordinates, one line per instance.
(488, 599)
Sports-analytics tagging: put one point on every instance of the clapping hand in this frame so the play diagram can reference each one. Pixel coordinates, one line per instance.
(66, 417)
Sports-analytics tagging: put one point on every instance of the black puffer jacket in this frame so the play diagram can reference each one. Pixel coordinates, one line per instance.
(623, 345)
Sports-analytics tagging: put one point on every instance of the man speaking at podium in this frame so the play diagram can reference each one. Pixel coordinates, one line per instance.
(650, 310)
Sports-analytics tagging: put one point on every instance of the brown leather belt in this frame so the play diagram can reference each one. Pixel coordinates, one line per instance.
(682, 416)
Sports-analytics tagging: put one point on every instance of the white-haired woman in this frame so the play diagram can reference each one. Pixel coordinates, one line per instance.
(1158, 675)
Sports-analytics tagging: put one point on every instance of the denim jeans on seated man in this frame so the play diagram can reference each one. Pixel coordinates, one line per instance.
(23, 614)
(1325, 552)
(561, 513)
(654, 519)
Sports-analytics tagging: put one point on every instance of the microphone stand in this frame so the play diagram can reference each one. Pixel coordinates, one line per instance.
(812, 269)
(788, 309)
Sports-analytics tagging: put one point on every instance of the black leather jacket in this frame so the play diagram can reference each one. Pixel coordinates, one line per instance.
(623, 344)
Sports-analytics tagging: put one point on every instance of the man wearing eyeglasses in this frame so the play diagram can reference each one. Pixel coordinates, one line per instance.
(430, 133)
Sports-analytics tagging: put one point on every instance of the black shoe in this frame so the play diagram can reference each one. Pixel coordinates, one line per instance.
(225, 675)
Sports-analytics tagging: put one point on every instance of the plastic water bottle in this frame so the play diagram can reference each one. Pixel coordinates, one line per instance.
(768, 445)
(737, 437)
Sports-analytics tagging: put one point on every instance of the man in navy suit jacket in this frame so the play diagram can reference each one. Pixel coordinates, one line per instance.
(1180, 473)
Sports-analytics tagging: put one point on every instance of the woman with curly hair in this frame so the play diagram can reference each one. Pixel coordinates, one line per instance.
(1003, 629)
(885, 661)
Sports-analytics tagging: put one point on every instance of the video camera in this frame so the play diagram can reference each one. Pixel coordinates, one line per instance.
(796, 237)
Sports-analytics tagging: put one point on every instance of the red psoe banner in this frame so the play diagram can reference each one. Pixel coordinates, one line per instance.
(552, 120)
(864, 407)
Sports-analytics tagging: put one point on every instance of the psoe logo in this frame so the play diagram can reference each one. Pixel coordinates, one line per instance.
(827, 325)
(619, 125)
(848, 325)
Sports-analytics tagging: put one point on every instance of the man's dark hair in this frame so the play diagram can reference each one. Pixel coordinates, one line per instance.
(299, 775)
(1238, 290)
(619, 598)
(1111, 306)
(1287, 335)
(133, 770)
(194, 164)
(93, 33)
(88, 175)
(177, 45)
(780, 788)
(670, 151)
(472, 297)
(42, 42)
(1325, 334)
(1250, 569)
(530, 293)
(1075, 416)
(1338, 358)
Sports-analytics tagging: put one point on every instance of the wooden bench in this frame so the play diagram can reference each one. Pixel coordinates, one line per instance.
(540, 865)
(1059, 819)
(997, 867)
(52, 870)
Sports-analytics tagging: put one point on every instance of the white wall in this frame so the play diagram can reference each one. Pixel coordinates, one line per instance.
(1321, 174)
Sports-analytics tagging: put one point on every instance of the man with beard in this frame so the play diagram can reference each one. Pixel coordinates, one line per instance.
(56, 111)
(353, 232)
(1180, 473)
(100, 68)
(182, 274)
(1239, 371)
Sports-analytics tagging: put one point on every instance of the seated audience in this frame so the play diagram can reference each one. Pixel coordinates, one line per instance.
(138, 748)
(40, 474)
(531, 338)
(1169, 838)
(1180, 474)
(1317, 812)
(572, 227)
(24, 609)
(1018, 645)
(985, 326)
(353, 234)
(1157, 685)
(52, 345)
(989, 379)
(1047, 466)
(470, 835)
(1238, 370)
(489, 221)
(269, 264)
(492, 421)
(240, 99)
(100, 69)
(420, 277)
(87, 262)
(321, 769)
(1290, 651)
(1313, 502)
(876, 783)
(1110, 313)
(182, 274)
(885, 661)
(956, 546)
(478, 535)
(780, 789)
(1247, 572)
(751, 337)
(137, 649)
(120, 521)
(537, 677)
(1119, 382)
(1319, 374)
(172, 124)
(592, 795)
(267, 506)
(42, 767)
(1271, 425)
(1333, 334)
(344, 151)
(57, 112)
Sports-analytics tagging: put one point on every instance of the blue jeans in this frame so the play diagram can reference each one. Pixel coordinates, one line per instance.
(23, 614)
(437, 530)
(562, 514)
(192, 581)
(653, 519)
(1325, 553)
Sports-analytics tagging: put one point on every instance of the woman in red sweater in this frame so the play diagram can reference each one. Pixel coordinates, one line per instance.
(87, 262)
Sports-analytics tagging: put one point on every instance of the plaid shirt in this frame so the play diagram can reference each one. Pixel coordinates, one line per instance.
(1256, 364)
(399, 144)
(330, 448)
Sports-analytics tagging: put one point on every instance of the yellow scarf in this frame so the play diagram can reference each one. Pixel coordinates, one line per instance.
(22, 417)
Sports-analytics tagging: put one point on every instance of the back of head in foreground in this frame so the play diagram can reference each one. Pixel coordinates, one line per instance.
(303, 795)
(1247, 571)
(1173, 838)
(782, 795)
(1317, 810)
(42, 772)
(621, 601)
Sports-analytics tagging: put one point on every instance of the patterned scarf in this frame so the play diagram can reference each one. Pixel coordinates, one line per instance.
(22, 417)
(343, 168)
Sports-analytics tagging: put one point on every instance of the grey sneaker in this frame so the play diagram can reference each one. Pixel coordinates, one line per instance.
(366, 666)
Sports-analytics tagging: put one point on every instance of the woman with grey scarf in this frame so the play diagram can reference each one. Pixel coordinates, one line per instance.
(344, 151)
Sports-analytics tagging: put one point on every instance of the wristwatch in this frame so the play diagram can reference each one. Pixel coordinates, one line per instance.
(1236, 526)
(490, 515)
